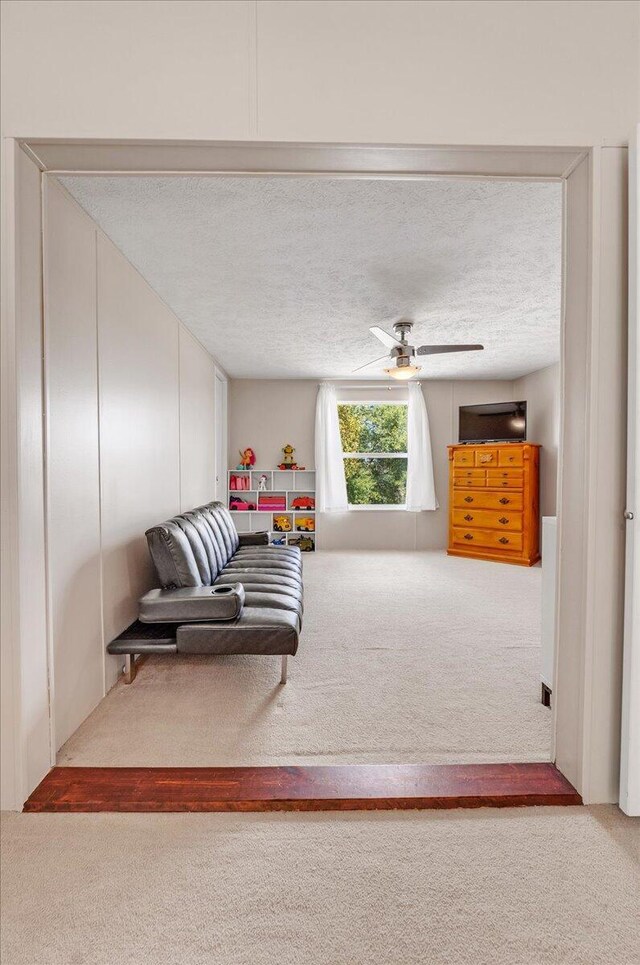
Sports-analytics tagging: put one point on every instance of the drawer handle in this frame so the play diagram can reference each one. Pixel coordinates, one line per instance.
(503, 539)
(468, 517)
(469, 499)
(504, 500)
(503, 520)
(468, 536)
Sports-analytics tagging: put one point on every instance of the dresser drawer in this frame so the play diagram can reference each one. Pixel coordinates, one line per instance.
(510, 457)
(491, 538)
(463, 457)
(488, 519)
(469, 477)
(505, 478)
(511, 500)
(487, 458)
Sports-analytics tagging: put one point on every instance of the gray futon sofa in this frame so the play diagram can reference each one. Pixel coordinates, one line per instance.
(220, 592)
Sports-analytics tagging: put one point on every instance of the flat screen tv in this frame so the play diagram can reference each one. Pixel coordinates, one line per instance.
(495, 422)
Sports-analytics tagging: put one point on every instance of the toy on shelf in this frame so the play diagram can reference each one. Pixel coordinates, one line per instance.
(247, 459)
(305, 524)
(240, 504)
(272, 502)
(282, 524)
(278, 541)
(305, 543)
(262, 483)
(304, 502)
(288, 461)
(239, 482)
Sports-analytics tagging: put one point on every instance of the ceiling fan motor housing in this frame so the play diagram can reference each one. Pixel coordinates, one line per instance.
(402, 329)
(403, 360)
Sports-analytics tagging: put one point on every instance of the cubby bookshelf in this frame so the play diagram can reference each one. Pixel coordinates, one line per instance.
(296, 489)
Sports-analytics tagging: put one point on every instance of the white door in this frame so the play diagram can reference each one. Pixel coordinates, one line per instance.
(221, 439)
(630, 752)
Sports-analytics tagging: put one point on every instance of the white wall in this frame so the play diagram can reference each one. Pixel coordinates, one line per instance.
(139, 432)
(197, 414)
(541, 390)
(73, 462)
(467, 72)
(131, 441)
(267, 413)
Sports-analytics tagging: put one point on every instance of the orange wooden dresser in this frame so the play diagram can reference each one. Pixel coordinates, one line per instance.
(494, 510)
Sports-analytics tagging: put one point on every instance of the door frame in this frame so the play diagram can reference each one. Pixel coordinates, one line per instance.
(591, 465)
(222, 421)
(630, 735)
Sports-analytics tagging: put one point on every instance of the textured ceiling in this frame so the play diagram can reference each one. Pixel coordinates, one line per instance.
(282, 277)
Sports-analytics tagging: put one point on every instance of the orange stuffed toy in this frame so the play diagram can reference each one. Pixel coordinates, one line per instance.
(247, 459)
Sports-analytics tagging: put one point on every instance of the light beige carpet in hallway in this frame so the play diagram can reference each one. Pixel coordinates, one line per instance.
(404, 657)
(535, 886)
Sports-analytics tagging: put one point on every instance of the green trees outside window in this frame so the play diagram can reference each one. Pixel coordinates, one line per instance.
(374, 442)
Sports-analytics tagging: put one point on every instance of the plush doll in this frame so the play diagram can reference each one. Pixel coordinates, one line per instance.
(247, 459)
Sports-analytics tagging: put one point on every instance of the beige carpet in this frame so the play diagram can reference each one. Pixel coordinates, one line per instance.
(404, 657)
(516, 887)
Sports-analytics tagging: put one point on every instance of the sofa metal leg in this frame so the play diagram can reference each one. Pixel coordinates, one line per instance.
(283, 674)
(129, 668)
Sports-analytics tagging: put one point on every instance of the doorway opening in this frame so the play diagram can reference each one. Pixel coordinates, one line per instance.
(452, 440)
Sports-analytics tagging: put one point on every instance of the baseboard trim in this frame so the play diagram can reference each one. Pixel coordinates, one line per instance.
(349, 787)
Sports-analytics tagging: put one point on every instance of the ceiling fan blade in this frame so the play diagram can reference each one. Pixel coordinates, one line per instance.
(441, 349)
(367, 364)
(384, 337)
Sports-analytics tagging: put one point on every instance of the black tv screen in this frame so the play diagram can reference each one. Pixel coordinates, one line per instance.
(495, 422)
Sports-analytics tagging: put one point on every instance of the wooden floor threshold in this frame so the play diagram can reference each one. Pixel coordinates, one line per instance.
(359, 787)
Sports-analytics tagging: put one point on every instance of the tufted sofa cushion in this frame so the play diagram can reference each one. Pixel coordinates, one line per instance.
(191, 549)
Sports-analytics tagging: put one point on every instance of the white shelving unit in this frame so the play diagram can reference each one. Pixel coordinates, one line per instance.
(297, 487)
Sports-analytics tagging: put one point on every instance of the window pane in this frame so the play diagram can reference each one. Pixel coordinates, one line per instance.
(373, 427)
(376, 481)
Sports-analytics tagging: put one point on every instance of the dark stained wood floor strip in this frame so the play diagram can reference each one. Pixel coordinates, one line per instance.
(360, 787)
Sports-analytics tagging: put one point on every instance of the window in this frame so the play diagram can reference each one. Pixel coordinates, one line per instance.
(374, 443)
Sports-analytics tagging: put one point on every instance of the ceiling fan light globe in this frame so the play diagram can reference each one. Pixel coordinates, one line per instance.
(403, 373)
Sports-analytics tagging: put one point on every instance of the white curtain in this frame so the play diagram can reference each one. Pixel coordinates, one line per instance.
(331, 487)
(421, 490)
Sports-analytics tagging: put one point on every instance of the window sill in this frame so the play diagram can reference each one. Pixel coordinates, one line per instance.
(377, 507)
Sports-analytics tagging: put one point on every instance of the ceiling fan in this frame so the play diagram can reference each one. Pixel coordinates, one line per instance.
(403, 353)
